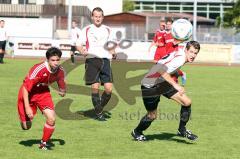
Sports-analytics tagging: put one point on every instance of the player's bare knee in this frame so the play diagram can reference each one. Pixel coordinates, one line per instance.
(51, 121)
(95, 89)
(187, 102)
(108, 90)
(152, 115)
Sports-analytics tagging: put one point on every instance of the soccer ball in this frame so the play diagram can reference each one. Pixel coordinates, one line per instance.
(181, 29)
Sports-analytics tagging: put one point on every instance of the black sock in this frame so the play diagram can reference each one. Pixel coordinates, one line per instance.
(72, 58)
(96, 101)
(144, 124)
(105, 98)
(185, 114)
(1, 57)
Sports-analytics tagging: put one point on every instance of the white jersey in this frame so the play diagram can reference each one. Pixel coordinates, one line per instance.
(95, 38)
(170, 64)
(75, 34)
(3, 34)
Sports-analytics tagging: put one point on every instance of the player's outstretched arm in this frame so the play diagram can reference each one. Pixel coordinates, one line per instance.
(113, 53)
(82, 49)
(169, 79)
(61, 82)
(28, 109)
(152, 44)
(176, 42)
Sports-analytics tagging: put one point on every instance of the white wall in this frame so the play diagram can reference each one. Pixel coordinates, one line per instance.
(236, 54)
(138, 51)
(38, 46)
(108, 6)
(39, 2)
(29, 27)
(14, 1)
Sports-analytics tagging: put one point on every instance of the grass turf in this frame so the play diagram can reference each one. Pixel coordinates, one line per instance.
(215, 119)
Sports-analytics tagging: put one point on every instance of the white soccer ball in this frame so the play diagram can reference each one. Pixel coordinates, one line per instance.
(181, 29)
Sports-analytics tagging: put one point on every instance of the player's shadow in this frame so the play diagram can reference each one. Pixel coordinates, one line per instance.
(91, 114)
(51, 143)
(166, 136)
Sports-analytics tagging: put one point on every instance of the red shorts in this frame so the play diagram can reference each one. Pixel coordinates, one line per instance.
(160, 53)
(41, 101)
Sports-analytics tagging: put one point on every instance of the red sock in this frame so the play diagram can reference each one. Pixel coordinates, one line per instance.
(47, 132)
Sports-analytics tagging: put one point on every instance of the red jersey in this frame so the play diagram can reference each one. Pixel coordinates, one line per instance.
(159, 37)
(170, 47)
(36, 82)
(40, 76)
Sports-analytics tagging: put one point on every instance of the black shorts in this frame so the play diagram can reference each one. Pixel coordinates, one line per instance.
(2, 45)
(73, 48)
(98, 70)
(151, 96)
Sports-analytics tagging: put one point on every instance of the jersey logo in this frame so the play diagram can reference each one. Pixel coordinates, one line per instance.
(44, 74)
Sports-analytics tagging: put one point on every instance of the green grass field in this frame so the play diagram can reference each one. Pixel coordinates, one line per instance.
(215, 119)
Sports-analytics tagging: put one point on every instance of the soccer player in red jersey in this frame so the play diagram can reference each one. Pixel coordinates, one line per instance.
(159, 42)
(169, 40)
(34, 93)
(171, 45)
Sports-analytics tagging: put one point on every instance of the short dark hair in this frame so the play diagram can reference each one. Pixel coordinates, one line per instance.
(97, 9)
(2, 21)
(53, 51)
(169, 20)
(194, 44)
(74, 21)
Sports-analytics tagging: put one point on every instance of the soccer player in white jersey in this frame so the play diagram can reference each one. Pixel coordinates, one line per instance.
(75, 34)
(98, 69)
(3, 38)
(158, 82)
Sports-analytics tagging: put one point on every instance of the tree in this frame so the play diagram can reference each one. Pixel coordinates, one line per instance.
(128, 5)
(232, 17)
